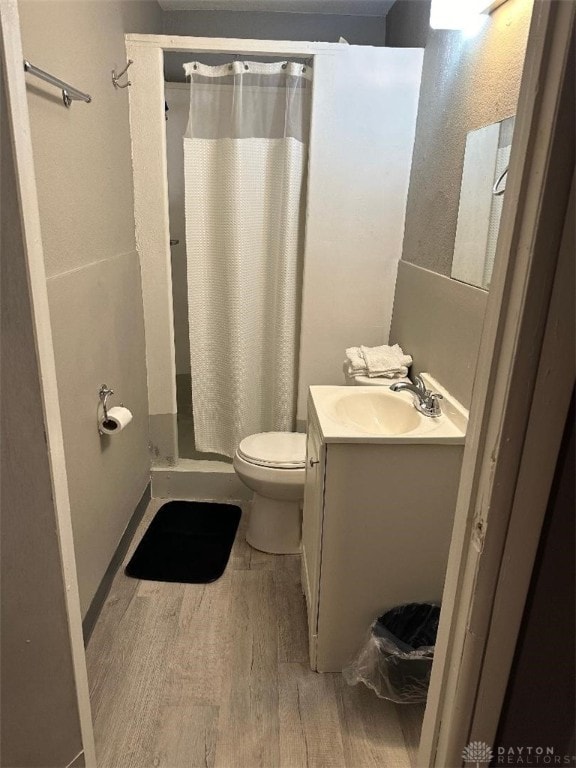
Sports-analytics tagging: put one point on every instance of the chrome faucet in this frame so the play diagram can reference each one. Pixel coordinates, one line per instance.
(427, 402)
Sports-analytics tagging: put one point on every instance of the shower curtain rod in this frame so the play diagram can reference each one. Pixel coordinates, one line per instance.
(239, 57)
(69, 93)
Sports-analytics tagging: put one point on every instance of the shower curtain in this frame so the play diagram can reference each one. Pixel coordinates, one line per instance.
(244, 157)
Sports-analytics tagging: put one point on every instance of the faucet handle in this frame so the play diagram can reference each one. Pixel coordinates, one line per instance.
(432, 403)
(419, 382)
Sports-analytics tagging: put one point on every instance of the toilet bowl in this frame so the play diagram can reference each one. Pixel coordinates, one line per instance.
(272, 464)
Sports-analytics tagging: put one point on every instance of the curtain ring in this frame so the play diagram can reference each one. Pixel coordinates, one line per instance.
(230, 67)
(245, 66)
(303, 69)
(194, 66)
(285, 65)
(498, 189)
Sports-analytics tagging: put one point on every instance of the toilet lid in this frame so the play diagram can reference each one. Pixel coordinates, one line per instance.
(275, 449)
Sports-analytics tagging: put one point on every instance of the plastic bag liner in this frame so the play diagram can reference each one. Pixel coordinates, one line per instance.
(396, 659)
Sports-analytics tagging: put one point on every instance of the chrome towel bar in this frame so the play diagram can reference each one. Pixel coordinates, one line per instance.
(69, 93)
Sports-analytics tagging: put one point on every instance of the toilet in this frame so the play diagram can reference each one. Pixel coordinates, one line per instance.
(272, 464)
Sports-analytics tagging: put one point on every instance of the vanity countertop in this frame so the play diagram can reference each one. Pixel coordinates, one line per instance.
(378, 415)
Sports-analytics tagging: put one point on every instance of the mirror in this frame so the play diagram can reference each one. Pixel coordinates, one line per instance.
(481, 197)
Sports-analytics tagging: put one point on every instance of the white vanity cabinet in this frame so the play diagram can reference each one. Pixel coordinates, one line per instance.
(377, 525)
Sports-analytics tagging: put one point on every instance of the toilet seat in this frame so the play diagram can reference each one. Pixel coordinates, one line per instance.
(279, 450)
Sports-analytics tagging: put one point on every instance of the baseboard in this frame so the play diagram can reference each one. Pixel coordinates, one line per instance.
(78, 762)
(194, 479)
(99, 599)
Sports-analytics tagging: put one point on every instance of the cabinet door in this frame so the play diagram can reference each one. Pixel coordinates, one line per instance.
(312, 530)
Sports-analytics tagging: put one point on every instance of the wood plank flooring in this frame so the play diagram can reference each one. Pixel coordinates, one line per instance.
(217, 676)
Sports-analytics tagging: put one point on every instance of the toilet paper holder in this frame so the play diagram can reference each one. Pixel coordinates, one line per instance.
(111, 421)
(104, 393)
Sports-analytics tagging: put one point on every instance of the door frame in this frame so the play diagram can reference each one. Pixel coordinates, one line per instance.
(147, 53)
(29, 223)
(524, 381)
(321, 237)
(509, 391)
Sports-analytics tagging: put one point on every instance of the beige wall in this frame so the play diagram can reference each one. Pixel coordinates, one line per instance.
(408, 24)
(320, 27)
(84, 177)
(439, 321)
(467, 82)
(40, 724)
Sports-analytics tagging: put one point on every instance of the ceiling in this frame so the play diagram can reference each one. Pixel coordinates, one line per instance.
(344, 7)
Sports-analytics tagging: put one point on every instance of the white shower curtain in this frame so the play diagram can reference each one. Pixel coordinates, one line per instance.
(244, 157)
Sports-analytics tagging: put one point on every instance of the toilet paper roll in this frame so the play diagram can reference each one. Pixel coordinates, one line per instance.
(118, 418)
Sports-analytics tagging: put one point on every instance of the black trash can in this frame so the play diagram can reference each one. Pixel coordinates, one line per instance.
(396, 660)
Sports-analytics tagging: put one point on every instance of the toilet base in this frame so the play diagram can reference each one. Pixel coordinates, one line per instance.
(275, 526)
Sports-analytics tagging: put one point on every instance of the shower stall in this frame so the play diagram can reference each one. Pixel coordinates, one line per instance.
(236, 145)
(280, 222)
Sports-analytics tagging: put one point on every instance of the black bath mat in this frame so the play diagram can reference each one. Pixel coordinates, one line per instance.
(187, 541)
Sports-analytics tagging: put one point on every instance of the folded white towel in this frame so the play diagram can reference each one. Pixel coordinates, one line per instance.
(397, 373)
(356, 362)
(386, 361)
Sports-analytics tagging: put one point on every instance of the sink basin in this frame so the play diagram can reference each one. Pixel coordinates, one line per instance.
(377, 413)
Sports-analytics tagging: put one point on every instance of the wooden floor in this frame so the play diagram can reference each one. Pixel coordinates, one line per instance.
(217, 675)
